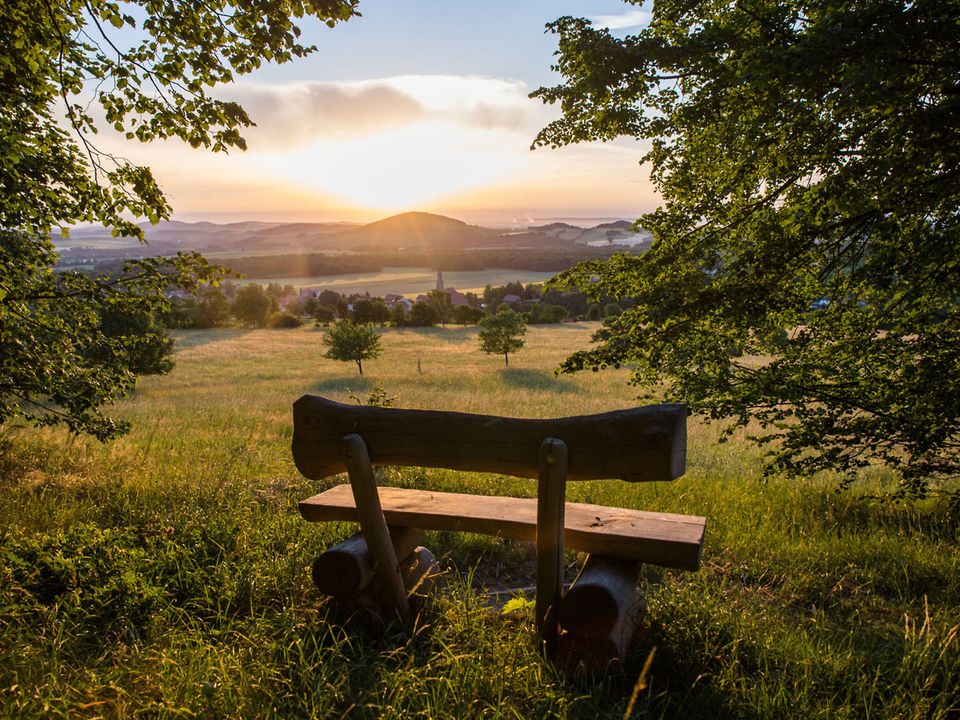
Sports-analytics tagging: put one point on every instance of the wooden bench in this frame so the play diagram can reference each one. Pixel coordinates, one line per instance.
(638, 445)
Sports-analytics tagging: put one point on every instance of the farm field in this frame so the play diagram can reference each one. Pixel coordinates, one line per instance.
(167, 574)
(409, 282)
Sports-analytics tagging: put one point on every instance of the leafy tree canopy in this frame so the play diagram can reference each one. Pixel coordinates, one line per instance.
(252, 305)
(502, 333)
(424, 314)
(371, 310)
(467, 315)
(324, 315)
(442, 304)
(350, 341)
(72, 343)
(806, 265)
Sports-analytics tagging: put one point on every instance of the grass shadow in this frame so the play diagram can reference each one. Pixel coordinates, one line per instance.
(342, 383)
(850, 513)
(536, 380)
(681, 681)
(450, 333)
(189, 339)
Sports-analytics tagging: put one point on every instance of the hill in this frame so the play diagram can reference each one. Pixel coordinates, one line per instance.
(621, 232)
(559, 230)
(419, 231)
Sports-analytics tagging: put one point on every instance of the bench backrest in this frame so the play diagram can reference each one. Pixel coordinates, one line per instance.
(637, 445)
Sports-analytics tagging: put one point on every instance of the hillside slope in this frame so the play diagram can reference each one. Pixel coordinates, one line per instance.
(418, 231)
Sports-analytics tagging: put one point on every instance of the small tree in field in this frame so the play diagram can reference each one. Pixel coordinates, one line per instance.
(502, 333)
(441, 303)
(252, 305)
(348, 341)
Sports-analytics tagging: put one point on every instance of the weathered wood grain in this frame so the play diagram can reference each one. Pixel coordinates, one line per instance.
(662, 539)
(389, 585)
(642, 444)
(347, 568)
(417, 570)
(551, 488)
(599, 614)
(603, 594)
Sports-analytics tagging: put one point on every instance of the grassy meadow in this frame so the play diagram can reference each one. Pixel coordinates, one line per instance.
(167, 574)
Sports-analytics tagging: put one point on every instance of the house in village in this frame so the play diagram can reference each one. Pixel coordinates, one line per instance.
(392, 300)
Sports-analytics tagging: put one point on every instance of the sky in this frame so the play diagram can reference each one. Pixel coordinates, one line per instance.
(416, 105)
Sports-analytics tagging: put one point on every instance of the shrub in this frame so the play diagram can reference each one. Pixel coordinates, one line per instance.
(324, 315)
(284, 319)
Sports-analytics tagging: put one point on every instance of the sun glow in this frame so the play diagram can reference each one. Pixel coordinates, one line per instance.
(359, 150)
(406, 166)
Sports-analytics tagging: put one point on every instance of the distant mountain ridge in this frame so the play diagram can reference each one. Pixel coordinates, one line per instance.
(409, 231)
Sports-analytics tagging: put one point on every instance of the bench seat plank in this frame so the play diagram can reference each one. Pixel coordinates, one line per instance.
(662, 539)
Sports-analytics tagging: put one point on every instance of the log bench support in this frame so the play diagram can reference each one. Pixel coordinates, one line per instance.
(598, 614)
(380, 567)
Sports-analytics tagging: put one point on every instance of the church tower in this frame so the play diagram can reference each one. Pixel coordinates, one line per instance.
(440, 281)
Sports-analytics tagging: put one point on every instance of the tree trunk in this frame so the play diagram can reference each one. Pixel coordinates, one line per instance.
(360, 368)
(506, 360)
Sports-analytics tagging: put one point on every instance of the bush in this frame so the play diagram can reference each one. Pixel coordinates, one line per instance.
(466, 315)
(612, 310)
(284, 319)
(423, 315)
(399, 315)
(543, 313)
(324, 315)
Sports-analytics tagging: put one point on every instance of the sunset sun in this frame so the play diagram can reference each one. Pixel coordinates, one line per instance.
(403, 167)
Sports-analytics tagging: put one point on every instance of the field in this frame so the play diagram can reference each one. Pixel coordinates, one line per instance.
(408, 281)
(166, 574)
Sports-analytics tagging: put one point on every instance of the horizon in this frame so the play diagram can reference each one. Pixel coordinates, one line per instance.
(487, 219)
(491, 218)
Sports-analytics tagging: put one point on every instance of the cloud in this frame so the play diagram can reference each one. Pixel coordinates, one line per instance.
(298, 114)
(290, 115)
(488, 103)
(631, 19)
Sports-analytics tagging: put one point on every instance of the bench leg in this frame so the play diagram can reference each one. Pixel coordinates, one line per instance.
(551, 490)
(346, 569)
(599, 613)
(390, 588)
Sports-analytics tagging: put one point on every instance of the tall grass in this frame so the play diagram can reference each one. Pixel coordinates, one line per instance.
(165, 574)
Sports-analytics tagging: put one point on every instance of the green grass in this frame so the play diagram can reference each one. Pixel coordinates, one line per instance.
(166, 574)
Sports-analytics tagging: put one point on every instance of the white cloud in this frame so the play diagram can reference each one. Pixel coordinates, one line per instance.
(294, 114)
(299, 114)
(631, 19)
(475, 101)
